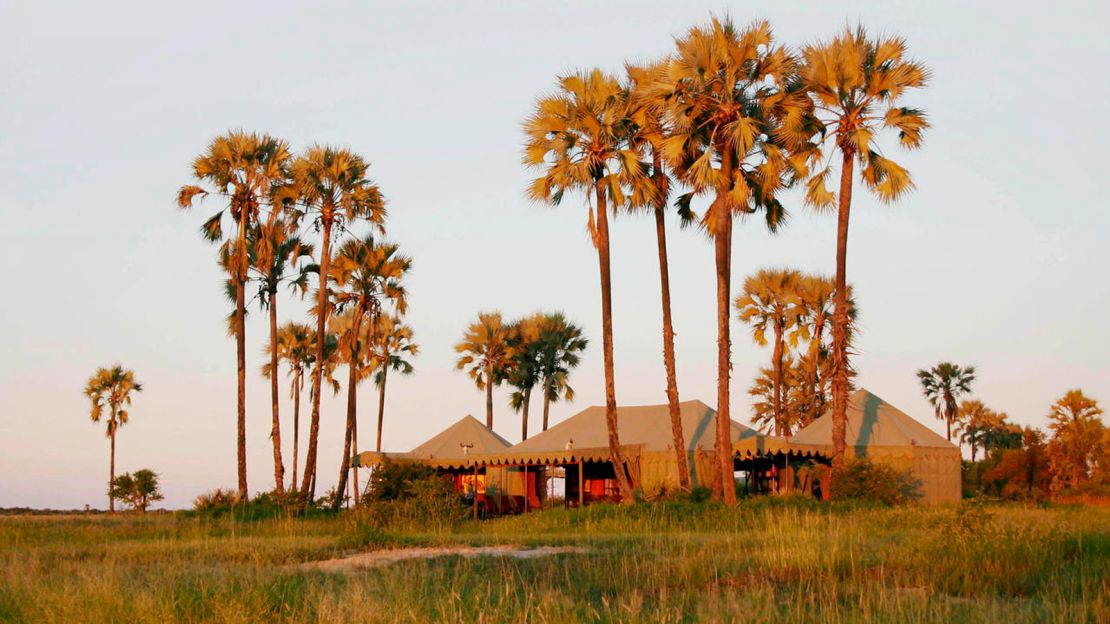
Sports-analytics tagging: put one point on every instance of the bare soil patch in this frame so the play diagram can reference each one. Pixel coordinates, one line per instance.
(379, 558)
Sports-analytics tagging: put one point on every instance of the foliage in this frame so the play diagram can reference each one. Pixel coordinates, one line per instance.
(393, 479)
(137, 490)
(1079, 453)
(1021, 473)
(406, 494)
(860, 479)
(110, 389)
(943, 385)
(485, 351)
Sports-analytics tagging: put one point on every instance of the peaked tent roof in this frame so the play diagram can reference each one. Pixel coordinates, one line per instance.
(646, 425)
(872, 422)
(468, 430)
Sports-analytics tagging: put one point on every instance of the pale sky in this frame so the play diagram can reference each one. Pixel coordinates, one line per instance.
(998, 259)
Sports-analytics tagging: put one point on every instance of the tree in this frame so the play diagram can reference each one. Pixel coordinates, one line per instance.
(816, 294)
(244, 169)
(368, 275)
(980, 427)
(560, 344)
(274, 255)
(485, 349)
(942, 385)
(331, 187)
(524, 372)
(855, 83)
(649, 116)
(1021, 473)
(393, 343)
(725, 91)
(1075, 449)
(578, 137)
(109, 391)
(771, 302)
(137, 491)
(297, 348)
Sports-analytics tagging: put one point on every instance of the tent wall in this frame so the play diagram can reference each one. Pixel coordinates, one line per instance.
(938, 469)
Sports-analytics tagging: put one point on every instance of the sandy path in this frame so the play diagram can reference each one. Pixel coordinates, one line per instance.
(378, 558)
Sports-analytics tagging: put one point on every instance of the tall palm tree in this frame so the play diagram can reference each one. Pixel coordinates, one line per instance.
(486, 350)
(578, 137)
(524, 373)
(332, 190)
(559, 345)
(855, 82)
(242, 168)
(942, 385)
(393, 343)
(275, 254)
(725, 90)
(110, 389)
(368, 275)
(651, 128)
(771, 301)
(973, 421)
(296, 346)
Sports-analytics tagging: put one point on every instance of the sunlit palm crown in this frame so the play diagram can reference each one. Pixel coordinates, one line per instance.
(1073, 407)
(110, 389)
(725, 91)
(274, 251)
(296, 345)
(486, 343)
(368, 274)
(579, 136)
(770, 296)
(856, 82)
(393, 342)
(332, 183)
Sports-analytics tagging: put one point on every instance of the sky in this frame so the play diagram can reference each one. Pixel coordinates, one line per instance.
(998, 259)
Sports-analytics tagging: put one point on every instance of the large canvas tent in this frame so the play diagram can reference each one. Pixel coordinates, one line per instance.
(454, 447)
(883, 433)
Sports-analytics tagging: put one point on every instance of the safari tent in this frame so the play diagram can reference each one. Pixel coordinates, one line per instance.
(883, 433)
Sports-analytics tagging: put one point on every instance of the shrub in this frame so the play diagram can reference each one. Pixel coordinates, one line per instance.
(859, 479)
(423, 503)
(392, 480)
(226, 502)
(138, 490)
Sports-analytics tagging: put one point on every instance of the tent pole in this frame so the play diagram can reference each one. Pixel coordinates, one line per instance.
(581, 484)
(475, 491)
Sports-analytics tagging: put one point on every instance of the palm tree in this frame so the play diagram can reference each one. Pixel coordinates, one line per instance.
(771, 302)
(973, 421)
(296, 346)
(274, 255)
(524, 373)
(332, 188)
(486, 350)
(725, 91)
(560, 344)
(942, 385)
(817, 294)
(393, 343)
(244, 168)
(855, 83)
(368, 275)
(111, 388)
(651, 129)
(579, 138)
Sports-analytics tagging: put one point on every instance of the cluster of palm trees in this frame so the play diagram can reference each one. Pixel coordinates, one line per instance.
(276, 201)
(732, 116)
(537, 350)
(790, 310)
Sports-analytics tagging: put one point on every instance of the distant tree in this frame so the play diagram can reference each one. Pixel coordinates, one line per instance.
(560, 344)
(943, 385)
(1021, 473)
(244, 169)
(109, 391)
(524, 373)
(1076, 449)
(771, 303)
(296, 346)
(138, 490)
(393, 343)
(973, 420)
(486, 354)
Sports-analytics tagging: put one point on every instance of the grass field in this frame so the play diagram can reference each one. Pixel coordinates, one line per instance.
(767, 561)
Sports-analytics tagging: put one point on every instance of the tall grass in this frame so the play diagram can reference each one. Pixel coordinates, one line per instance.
(769, 560)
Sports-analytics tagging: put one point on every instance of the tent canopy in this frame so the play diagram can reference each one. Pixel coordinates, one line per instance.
(449, 448)
(872, 422)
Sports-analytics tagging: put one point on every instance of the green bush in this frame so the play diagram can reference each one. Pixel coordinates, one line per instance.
(226, 502)
(393, 480)
(859, 479)
(424, 503)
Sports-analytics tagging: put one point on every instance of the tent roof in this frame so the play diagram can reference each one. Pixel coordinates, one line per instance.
(446, 444)
(646, 425)
(872, 422)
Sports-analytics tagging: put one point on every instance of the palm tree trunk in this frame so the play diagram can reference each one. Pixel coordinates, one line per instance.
(381, 407)
(546, 404)
(840, 314)
(815, 364)
(275, 429)
(354, 453)
(668, 348)
(624, 487)
(308, 486)
(112, 471)
(352, 384)
(489, 396)
(298, 381)
(241, 361)
(780, 426)
(723, 259)
(524, 412)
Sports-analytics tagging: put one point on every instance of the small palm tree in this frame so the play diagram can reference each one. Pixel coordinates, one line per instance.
(855, 82)
(486, 354)
(109, 390)
(817, 295)
(560, 346)
(332, 190)
(368, 276)
(771, 302)
(578, 137)
(726, 91)
(274, 255)
(943, 385)
(296, 346)
(393, 343)
(973, 422)
(524, 373)
(244, 169)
